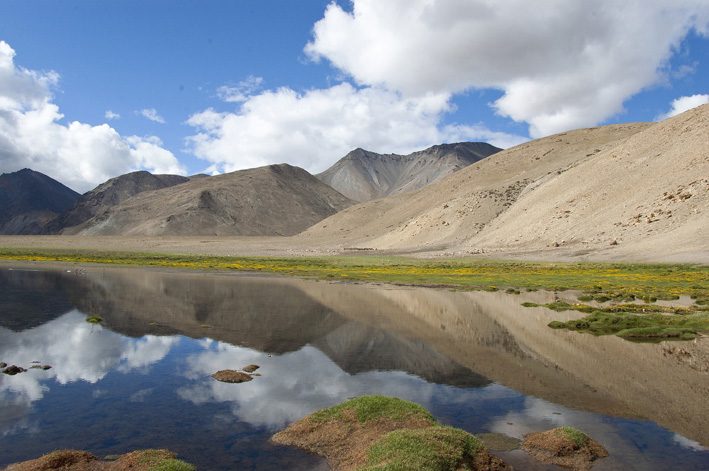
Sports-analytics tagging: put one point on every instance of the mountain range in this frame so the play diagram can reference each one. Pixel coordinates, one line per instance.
(627, 189)
(362, 175)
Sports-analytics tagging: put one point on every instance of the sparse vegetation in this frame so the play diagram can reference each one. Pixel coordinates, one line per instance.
(579, 438)
(173, 465)
(617, 281)
(638, 327)
(386, 434)
(431, 448)
(368, 408)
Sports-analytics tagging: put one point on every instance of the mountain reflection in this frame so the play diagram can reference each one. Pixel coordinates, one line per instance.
(314, 336)
(143, 374)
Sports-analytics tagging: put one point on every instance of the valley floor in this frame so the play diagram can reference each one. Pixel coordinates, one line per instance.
(297, 246)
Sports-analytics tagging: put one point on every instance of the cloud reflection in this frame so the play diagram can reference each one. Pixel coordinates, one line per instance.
(76, 350)
(296, 384)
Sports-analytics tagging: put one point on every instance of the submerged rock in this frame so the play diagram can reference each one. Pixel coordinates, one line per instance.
(250, 368)
(231, 376)
(13, 370)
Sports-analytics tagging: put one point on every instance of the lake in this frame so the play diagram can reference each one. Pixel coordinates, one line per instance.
(477, 360)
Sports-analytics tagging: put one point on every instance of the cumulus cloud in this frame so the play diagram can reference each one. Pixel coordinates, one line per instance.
(79, 155)
(561, 65)
(152, 115)
(682, 104)
(317, 127)
(111, 115)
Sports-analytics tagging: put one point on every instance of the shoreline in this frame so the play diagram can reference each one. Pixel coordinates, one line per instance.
(300, 246)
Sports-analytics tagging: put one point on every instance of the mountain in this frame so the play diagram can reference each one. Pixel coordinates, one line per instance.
(634, 191)
(362, 175)
(267, 201)
(451, 211)
(108, 194)
(647, 195)
(29, 199)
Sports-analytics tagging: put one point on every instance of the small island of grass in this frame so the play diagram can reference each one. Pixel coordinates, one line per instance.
(73, 460)
(564, 446)
(387, 434)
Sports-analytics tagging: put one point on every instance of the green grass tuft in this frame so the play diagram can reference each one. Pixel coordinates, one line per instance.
(631, 326)
(437, 448)
(173, 465)
(577, 436)
(368, 408)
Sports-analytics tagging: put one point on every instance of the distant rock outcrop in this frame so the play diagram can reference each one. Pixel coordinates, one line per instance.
(363, 175)
(29, 199)
(105, 196)
(277, 200)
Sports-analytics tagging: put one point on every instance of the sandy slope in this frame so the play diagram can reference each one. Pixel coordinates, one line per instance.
(650, 193)
(448, 213)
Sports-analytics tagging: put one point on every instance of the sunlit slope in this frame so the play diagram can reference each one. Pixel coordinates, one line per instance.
(277, 200)
(647, 193)
(450, 212)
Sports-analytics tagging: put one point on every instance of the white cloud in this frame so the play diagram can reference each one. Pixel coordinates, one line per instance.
(22, 89)
(560, 64)
(242, 91)
(315, 128)
(77, 154)
(152, 115)
(682, 104)
(111, 115)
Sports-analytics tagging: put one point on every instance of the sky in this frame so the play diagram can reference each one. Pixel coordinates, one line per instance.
(90, 90)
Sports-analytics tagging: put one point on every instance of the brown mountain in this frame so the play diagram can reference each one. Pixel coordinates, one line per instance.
(453, 210)
(621, 191)
(106, 195)
(267, 201)
(29, 199)
(362, 175)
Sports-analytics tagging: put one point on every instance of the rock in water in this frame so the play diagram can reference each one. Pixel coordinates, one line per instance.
(231, 376)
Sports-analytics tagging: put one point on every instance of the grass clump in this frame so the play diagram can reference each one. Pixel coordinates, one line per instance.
(173, 465)
(640, 327)
(94, 320)
(374, 407)
(159, 460)
(432, 448)
(579, 438)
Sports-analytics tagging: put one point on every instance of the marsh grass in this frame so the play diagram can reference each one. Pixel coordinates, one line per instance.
(432, 448)
(632, 326)
(173, 465)
(374, 407)
(579, 438)
(615, 281)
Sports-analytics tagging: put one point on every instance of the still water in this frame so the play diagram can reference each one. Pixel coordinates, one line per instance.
(477, 361)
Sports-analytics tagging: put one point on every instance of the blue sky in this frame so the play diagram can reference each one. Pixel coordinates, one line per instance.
(93, 89)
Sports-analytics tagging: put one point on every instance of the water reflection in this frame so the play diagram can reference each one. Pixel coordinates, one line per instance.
(478, 361)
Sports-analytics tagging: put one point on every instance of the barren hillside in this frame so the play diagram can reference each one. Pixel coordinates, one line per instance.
(274, 200)
(649, 193)
(105, 196)
(29, 199)
(449, 213)
(362, 175)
